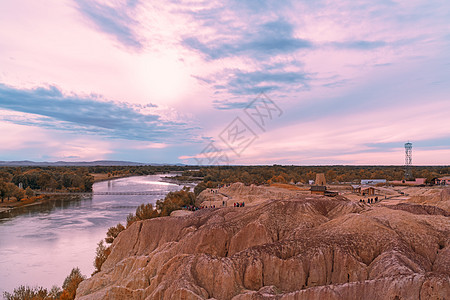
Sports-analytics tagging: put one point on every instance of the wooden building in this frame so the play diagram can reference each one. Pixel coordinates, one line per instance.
(318, 189)
(367, 191)
(442, 181)
(363, 190)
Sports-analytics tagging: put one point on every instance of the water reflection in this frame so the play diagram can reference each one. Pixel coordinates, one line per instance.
(60, 202)
(39, 245)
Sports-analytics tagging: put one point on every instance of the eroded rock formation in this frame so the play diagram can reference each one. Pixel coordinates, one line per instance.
(251, 195)
(310, 247)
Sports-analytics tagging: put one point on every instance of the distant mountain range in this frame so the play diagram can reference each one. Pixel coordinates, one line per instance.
(27, 163)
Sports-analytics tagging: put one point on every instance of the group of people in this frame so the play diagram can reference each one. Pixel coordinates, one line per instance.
(206, 206)
(224, 185)
(239, 204)
(216, 191)
(191, 207)
(370, 200)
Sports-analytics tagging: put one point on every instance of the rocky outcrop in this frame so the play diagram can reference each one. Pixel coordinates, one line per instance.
(437, 197)
(308, 247)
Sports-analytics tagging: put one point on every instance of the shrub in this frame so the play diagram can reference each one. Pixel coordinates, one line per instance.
(146, 211)
(71, 283)
(29, 192)
(70, 286)
(33, 293)
(29, 293)
(113, 232)
(131, 219)
(176, 200)
(143, 212)
(102, 252)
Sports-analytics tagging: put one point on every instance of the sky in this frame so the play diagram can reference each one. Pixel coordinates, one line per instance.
(225, 82)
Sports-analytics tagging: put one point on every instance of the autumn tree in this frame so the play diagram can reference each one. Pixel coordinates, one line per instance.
(101, 254)
(278, 179)
(29, 192)
(71, 283)
(330, 175)
(18, 193)
(2, 189)
(199, 188)
(10, 189)
(113, 232)
(44, 180)
(176, 200)
(5, 176)
(143, 212)
(32, 293)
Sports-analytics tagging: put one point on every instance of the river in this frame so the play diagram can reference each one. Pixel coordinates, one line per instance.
(41, 246)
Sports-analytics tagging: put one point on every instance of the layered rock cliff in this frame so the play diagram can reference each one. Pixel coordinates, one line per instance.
(308, 247)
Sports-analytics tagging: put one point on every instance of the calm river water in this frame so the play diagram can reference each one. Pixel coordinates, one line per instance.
(41, 246)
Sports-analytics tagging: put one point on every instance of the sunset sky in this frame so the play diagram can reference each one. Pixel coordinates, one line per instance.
(334, 82)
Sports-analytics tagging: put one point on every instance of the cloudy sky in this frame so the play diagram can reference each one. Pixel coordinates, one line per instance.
(243, 82)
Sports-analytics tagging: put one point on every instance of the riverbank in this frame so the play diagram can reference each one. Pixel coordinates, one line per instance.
(9, 205)
(41, 244)
(14, 208)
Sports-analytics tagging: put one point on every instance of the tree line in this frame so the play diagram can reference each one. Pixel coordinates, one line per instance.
(137, 170)
(219, 175)
(20, 182)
